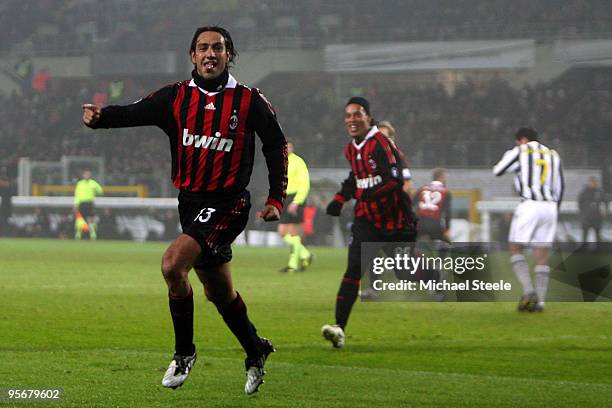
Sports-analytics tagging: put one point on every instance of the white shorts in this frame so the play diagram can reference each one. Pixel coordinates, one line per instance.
(534, 223)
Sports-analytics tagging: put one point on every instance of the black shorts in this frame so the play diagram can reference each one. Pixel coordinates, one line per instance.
(288, 218)
(214, 222)
(363, 232)
(87, 209)
(429, 227)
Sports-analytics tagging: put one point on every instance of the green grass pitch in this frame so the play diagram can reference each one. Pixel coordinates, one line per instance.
(92, 318)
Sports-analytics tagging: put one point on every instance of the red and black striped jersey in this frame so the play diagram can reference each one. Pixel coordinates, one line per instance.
(211, 135)
(433, 201)
(375, 181)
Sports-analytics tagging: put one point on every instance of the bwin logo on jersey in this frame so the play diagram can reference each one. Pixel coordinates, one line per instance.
(207, 142)
(369, 182)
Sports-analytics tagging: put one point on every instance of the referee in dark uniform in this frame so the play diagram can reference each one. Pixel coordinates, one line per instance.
(210, 121)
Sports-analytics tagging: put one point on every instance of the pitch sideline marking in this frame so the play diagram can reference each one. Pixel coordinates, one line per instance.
(366, 369)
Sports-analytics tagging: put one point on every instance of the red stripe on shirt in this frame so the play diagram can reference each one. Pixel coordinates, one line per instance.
(223, 129)
(191, 119)
(206, 130)
(239, 141)
(179, 134)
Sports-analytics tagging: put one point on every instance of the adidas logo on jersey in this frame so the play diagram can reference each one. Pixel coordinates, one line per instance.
(207, 142)
(210, 106)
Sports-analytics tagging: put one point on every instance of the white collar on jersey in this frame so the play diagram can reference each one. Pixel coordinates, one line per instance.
(437, 183)
(231, 83)
(369, 135)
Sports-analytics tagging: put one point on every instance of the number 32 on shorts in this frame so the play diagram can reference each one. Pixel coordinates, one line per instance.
(204, 214)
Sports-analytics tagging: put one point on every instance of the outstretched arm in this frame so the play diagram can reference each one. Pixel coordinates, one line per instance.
(152, 110)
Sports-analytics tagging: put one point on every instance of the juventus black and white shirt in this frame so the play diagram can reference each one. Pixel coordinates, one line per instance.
(538, 171)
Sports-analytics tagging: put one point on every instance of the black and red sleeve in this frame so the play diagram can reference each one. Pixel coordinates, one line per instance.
(347, 189)
(262, 118)
(152, 110)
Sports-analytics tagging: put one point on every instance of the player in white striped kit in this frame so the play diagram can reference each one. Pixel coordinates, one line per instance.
(539, 182)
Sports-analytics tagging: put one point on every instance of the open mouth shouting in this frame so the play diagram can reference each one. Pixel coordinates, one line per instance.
(210, 65)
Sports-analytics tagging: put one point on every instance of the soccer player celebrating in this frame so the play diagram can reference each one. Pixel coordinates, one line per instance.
(382, 210)
(210, 121)
(539, 182)
(290, 224)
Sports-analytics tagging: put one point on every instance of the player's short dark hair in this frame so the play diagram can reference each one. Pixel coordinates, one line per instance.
(365, 104)
(528, 133)
(229, 43)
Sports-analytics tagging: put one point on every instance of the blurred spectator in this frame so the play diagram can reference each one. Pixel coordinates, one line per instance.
(593, 209)
(40, 228)
(40, 81)
(568, 111)
(6, 193)
(108, 228)
(24, 72)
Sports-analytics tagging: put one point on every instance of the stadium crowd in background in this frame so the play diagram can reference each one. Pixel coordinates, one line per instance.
(568, 111)
(70, 28)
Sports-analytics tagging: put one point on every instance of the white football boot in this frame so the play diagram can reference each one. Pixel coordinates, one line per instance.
(334, 333)
(255, 367)
(178, 370)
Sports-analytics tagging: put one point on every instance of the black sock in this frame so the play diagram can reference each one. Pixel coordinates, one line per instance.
(181, 310)
(235, 316)
(347, 294)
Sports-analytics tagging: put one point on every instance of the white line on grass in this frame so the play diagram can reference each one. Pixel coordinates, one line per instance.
(364, 369)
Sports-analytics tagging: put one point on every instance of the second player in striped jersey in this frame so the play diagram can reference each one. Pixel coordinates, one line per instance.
(539, 182)
(382, 209)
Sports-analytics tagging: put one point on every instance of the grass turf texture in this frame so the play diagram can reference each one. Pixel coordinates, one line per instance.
(92, 318)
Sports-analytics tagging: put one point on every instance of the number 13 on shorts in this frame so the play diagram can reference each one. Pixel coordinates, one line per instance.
(204, 214)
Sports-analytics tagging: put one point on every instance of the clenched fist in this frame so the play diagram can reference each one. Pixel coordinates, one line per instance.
(269, 213)
(91, 114)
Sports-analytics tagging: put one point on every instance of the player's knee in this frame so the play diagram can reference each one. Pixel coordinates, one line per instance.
(172, 268)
